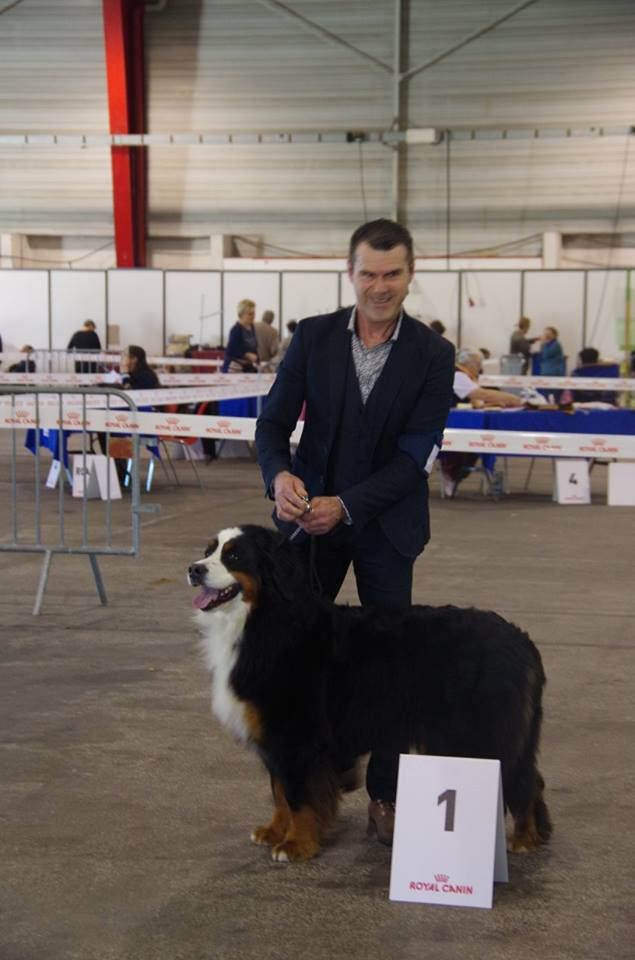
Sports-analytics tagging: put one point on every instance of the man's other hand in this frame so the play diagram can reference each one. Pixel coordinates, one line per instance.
(325, 514)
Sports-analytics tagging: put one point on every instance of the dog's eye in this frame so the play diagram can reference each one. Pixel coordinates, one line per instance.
(230, 556)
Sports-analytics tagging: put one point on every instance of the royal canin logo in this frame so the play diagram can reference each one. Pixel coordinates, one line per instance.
(225, 429)
(441, 884)
(489, 441)
(599, 446)
(172, 419)
(72, 415)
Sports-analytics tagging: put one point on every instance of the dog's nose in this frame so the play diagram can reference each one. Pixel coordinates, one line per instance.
(196, 574)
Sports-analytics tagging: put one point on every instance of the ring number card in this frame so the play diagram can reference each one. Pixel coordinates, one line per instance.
(449, 841)
(572, 484)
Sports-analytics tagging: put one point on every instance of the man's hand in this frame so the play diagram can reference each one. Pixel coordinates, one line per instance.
(325, 514)
(290, 497)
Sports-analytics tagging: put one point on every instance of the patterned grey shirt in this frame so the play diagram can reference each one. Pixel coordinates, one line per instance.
(370, 361)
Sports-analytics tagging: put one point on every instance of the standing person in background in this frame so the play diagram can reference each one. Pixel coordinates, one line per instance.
(241, 352)
(552, 362)
(519, 342)
(267, 339)
(377, 385)
(85, 339)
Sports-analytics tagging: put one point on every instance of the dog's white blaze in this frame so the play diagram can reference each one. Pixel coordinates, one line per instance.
(222, 631)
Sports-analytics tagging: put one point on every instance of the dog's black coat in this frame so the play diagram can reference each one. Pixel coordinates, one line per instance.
(331, 683)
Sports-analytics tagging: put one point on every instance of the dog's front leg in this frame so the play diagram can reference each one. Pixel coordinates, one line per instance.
(302, 839)
(274, 832)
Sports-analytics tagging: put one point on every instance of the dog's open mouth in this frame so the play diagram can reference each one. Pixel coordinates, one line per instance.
(207, 599)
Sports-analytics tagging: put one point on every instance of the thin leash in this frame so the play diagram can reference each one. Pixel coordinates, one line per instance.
(314, 580)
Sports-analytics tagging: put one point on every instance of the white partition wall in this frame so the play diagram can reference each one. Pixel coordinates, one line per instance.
(555, 298)
(490, 309)
(262, 288)
(24, 309)
(435, 296)
(605, 312)
(193, 305)
(76, 295)
(135, 304)
(307, 294)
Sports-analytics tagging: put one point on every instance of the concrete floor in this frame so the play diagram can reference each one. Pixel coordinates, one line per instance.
(126, 810)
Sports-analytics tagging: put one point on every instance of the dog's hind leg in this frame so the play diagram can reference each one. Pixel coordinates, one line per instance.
(274, 832)
(532, 823)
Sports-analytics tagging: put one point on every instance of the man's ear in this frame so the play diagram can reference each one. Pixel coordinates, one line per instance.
(349, 268)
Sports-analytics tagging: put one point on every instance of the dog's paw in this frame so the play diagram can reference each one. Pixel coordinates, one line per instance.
(266, 836)
(292, 851)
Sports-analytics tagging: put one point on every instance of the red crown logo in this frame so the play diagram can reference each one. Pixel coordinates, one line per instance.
(441, 877)
(121, 417)
(172, 419)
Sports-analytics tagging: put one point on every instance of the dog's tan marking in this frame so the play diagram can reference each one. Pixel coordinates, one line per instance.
(274, 833)
(302, 840)
(249, 586)
(525, 836)
(253, 722)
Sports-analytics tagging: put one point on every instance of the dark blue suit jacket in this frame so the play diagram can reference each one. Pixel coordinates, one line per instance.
(414, 395)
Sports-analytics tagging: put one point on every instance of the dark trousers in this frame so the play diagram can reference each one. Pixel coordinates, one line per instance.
(384, 581)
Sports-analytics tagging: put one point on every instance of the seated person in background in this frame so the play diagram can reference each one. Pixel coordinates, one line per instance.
(24, 366)
(241, 353)
(136, 374)
(456, 466)
(469, 364)
(589, 364)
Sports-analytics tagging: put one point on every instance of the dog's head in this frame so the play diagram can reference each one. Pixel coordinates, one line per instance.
(235, 563)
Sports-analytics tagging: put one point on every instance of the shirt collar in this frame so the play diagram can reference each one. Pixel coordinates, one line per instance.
(395, 333)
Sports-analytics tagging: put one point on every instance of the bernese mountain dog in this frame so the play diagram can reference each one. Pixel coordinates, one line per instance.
(313, 685)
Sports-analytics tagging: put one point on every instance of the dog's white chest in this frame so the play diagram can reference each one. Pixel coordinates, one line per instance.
(222, 634)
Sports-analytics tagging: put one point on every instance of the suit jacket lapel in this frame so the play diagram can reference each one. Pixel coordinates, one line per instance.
(338, 355)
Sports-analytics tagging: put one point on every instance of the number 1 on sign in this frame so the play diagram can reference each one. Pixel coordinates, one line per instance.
(448, 797)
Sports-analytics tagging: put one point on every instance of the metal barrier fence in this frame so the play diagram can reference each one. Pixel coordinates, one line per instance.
(42, 518)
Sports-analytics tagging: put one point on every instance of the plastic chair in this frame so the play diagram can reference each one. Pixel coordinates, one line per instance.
(185, 442)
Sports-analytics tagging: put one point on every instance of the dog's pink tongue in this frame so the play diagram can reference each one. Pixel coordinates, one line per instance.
(203, 598)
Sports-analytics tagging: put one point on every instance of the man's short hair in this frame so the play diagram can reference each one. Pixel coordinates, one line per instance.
(89, 324)
(268, 316)
(382, 235)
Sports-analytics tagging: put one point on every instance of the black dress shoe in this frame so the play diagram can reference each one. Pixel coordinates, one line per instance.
(381, 821)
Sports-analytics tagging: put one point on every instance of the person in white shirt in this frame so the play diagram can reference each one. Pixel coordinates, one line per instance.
(468, 365)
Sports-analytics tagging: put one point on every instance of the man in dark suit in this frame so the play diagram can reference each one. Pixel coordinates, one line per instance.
(377, 386)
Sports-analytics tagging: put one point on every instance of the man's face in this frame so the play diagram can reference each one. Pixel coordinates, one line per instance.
(380, 279)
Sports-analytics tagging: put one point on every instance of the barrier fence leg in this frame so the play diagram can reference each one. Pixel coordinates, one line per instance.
(99, 583)
(41, 587)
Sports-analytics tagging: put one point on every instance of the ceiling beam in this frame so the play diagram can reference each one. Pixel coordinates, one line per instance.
(322, 33)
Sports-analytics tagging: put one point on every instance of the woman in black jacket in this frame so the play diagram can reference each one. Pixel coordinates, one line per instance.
(138, 375)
